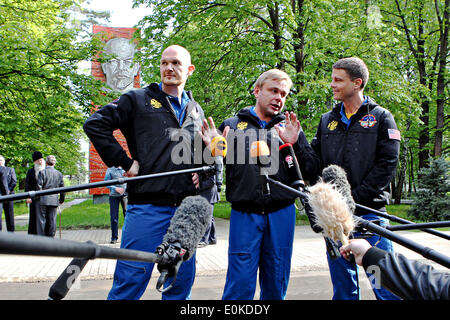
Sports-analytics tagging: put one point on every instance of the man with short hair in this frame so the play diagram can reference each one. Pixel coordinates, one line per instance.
(148, 118)
(262, 221)
(49, 178)
(117, 196)
(361, 137)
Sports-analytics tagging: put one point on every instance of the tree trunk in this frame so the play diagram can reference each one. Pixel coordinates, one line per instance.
(440, 87)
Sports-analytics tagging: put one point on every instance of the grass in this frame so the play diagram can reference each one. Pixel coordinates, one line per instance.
(87, 215)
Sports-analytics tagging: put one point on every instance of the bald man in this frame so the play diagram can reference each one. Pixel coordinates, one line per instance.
(150, 119)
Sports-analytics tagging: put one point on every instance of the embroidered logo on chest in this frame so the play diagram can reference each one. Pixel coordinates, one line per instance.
(332, 125)
(242, 125)
(155, 103)
(368, 121)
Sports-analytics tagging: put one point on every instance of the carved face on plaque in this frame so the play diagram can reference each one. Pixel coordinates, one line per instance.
(120, 69)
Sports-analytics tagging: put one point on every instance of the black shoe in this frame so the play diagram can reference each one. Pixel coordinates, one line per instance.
(113, 241)
(213, 242)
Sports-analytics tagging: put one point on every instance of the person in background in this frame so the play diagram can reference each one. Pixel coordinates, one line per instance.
(117, 196)
(8, 207)
(31, 185)
(49, 178)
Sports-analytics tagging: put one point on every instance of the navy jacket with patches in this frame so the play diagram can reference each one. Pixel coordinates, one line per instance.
(368, 150)
(244, 183)
(147, 120)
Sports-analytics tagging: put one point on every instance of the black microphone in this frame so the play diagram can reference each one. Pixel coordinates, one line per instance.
(290, 163)
(337, 176)
(187, 227)
(67, 278)
(219, 151)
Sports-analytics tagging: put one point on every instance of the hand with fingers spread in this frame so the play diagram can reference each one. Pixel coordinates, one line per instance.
(289, 132)
(209, 131)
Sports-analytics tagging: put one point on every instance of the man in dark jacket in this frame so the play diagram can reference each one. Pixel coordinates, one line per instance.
(3, 188)
(31, 185)
(262, 220)
(362, 138)
(153, 120)
(410, 280)
(49, 178)
(8, 206)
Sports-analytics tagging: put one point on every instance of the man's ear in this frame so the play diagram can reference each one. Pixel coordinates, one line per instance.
(256, 91)
(358, 83)
(191, 69)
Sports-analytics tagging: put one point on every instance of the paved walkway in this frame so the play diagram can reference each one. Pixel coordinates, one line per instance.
(308, 255)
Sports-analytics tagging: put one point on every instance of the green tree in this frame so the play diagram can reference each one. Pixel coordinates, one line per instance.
(43, 94)
(432, 202)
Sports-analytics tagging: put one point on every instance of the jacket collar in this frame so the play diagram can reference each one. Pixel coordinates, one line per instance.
(246, 114)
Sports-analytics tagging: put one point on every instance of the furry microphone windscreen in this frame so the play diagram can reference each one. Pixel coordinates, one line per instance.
(189, 223)
(336, 176)
(331, 212)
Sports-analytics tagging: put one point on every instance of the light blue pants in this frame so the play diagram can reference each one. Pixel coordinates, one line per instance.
(144, 228)
(264, 242)
(344, 274)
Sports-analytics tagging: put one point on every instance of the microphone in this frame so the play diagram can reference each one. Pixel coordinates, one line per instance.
(219, 151)
(332, 205)
(187, 227)
(290, 163)
(338, 178)
(67, 278)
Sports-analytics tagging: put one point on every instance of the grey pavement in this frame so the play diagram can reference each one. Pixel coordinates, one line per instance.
(309, 269)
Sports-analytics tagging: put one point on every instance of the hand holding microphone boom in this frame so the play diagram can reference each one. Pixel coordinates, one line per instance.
(219, 151)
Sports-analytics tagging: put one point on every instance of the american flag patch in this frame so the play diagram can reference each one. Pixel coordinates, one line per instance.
(394, 134)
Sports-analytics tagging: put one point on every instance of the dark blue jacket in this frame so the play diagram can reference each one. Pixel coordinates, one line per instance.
(147, 120)
(367, 150)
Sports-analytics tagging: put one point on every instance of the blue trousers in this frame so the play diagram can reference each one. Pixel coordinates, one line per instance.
(144, 228)
(344, 274)
(264, 242)
(114, 203)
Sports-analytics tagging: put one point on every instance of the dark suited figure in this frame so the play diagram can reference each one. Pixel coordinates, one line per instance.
(8, 207)
(49, 178)
(31, 185)
(3, 188)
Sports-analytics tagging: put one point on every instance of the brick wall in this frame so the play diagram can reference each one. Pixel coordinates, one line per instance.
(97, 168)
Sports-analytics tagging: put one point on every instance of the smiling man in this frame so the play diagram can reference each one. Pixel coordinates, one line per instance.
(361, 137)
(262, 223)
(146, 116)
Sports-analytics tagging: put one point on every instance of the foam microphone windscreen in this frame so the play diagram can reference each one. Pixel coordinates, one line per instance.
(331, 211)
(337, 176)
(189, 223)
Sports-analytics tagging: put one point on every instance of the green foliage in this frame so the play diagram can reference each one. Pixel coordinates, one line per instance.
(43, 93)
(432, 201)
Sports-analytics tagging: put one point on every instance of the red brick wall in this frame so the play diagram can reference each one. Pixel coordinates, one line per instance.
(97, 168)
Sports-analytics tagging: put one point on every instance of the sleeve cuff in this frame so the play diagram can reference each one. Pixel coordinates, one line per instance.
(373, 257)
